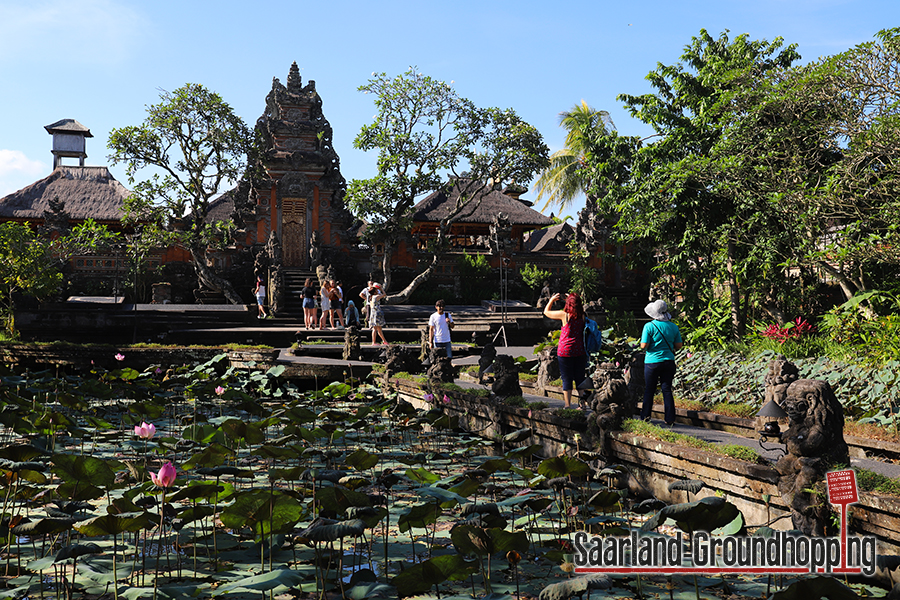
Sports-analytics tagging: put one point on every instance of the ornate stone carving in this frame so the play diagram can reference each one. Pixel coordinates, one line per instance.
(441, 370)
(548, 367)
(56, 220)
(610, 403)
(351, 343)
(488, 354)
(506, 377)
(315, 252)
(500, 232)
(814, 442)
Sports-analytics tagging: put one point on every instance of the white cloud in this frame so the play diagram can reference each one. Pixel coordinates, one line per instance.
(17, 171)
(67, 33)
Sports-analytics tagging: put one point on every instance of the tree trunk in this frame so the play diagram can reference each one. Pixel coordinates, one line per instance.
(849, 287)
(208, 277)
(404, 294)
(386, 265)
(734, 292)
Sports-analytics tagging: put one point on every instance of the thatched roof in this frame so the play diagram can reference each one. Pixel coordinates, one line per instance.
(68, 126)
(437, 206)
(549, 238)
(221, 208)
(85, 192)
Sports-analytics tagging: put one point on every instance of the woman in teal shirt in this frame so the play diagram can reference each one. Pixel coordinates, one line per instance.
(659, 339)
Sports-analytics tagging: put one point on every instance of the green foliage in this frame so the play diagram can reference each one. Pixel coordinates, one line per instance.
(26, 266)
(583, 280)
(870, 481)
(866, 390)
(425, 135)
(534, 277)
(564, 179)
(30, 264)
(196, 144)
(473, 267)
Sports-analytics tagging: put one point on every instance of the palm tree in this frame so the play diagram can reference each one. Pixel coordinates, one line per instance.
(560, 182)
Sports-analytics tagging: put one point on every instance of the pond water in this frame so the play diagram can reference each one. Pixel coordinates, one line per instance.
(273, 490)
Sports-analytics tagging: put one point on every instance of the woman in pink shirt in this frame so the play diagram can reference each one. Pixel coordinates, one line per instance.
(571, 353)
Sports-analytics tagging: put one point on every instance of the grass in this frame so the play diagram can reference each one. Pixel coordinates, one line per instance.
(471, 369)
(452, 387)
(655, 432)
(555, 383)
(734, 409)
(539, 405)
(515, 401)
(528, 376)
(575, 414)
(409, 377)
(870, 431)
(870, 481)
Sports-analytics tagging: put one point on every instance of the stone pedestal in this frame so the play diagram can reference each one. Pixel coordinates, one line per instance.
(162, 293)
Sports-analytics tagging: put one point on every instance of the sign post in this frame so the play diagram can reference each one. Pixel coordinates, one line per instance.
(842, 492)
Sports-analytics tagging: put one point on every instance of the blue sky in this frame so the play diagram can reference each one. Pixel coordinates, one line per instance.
(101, 61)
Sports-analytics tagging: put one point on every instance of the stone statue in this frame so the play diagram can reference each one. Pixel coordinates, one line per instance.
(814, 442)
(545, 296)
(441, 369)
(548, 367)
(610, 403)
(315, 252)
(398, 358)
(501, 231)
(506, 377)
(351, 344)
(488, 354)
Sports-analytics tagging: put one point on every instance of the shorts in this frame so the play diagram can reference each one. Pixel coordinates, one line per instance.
(571, 369)
(309, 303)
(261, 300)
(326, 304)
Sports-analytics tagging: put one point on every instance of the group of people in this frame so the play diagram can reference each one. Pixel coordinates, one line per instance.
(331, 300)
(660, 338)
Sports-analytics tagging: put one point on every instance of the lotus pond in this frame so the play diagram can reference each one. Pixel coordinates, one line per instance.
(206, 480)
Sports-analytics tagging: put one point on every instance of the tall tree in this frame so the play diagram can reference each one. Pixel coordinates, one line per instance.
(564, 179)
(676, 200)
(428, 139)
(32, 265)
(196, 142)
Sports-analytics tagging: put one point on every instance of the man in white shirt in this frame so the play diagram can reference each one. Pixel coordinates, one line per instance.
(439, 326)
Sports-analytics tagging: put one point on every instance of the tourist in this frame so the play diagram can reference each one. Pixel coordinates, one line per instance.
(309, 304)
(325, 299)
(376, 316)
(439, 326)
(364, 294)
(260, 292)
(659, 339)
(351, 317)
(571, 353)
(337, 302)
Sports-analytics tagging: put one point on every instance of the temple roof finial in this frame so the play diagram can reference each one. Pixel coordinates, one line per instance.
(294, 82)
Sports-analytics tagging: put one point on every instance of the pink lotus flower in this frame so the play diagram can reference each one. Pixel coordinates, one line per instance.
(166, 476)
(428, 398)
(120, 357)
(145, 430)
(446, 399)
(220, 390)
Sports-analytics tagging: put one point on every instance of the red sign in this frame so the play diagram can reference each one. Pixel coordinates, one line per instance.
(842, 487)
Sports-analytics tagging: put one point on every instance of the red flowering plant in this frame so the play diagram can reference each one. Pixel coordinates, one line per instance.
(792, 330)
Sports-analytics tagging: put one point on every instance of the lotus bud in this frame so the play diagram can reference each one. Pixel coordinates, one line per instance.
(145, 430)
(166, 476)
